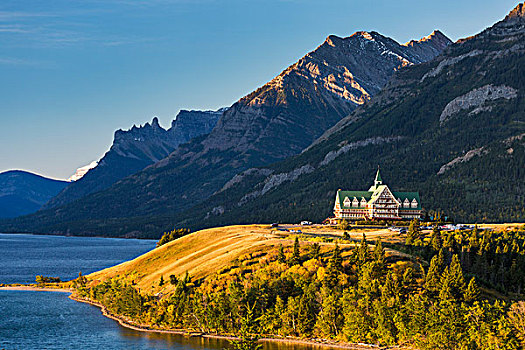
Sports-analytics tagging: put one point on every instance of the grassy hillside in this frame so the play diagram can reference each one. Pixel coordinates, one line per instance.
(207, 252)
(200, 254)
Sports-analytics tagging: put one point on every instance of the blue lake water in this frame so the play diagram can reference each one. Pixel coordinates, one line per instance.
(22, 257)
(49, 320)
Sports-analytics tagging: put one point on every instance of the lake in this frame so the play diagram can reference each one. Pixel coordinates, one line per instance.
(50, 320)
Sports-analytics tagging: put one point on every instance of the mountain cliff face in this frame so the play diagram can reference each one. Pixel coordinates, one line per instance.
(23, 193)
(452, 129)
(272, 123)
(137, 148)
(285, 115)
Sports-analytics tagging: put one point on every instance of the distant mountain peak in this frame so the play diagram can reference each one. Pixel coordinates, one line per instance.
(437, 38)
(517, 12)
(436, 34)
(364, 34)
(22, 192)
(334, 40)
(134, 149)
(343, 73)
(155, 122)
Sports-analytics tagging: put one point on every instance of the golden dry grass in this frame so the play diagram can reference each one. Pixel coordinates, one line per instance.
(200, 254)
(206, 252)
(502, 227)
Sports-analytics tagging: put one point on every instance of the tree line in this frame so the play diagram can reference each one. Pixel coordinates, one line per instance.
(361, 294)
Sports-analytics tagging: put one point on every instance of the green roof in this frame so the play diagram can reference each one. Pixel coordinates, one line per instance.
(351, 194)
(410, 196)
(368, 195)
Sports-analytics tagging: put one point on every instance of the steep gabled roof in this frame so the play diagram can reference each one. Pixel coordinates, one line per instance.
(369, 195)
(351, 194)
(410, 196)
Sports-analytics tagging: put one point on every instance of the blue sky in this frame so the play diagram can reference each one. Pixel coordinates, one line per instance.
(72, 72)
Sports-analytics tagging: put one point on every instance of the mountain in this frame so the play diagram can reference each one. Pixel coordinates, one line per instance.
(272, 123)
(135, 149)
(285, 115)
(452, 128)
(23, 193)
(80, 172)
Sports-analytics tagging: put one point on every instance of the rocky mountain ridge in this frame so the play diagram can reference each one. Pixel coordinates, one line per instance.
(342, 72)
(134, 149)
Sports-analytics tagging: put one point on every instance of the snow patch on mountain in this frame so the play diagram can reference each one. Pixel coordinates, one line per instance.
(80, 172)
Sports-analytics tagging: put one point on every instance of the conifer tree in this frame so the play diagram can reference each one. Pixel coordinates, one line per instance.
(446, 284)
(379, 252)
(337, 259)
(391, 290)
(280, 309)
(472, 293)
(315, 251)
(291, 314)
(248, 338)
(432, 282)
(330, 318)
(441, 260)
(379, 258)
(363, 252)
(409, 282)
(516, 316)
(436, 240)
(296, 256)
(409, 240)
(307, 312)
(457, 278)
(413, 232)
(281, 257)
(331, 279)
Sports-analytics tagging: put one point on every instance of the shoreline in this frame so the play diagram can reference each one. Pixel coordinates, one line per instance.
(74, 236)
(36, 289)
(141, 328)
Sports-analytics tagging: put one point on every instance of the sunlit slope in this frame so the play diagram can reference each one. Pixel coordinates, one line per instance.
(206, 252)
(200, 254)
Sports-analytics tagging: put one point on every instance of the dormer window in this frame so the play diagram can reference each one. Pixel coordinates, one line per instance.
(346, 202)
(414, 203)
(406, 203)
(363, 202)
(355, 202)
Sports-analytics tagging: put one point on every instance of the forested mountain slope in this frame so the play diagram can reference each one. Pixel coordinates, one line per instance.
(452, 129)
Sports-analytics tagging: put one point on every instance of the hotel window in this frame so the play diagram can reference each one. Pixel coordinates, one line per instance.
(414, 203)
(406, 203)
(355, 203)
(346, 202)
